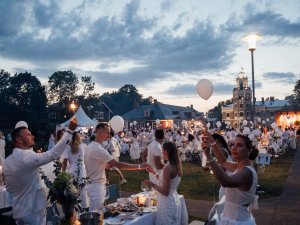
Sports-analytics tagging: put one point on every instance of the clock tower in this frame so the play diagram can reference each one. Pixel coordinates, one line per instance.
(242, 96)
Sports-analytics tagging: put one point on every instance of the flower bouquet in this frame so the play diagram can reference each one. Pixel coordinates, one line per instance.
(65, 190)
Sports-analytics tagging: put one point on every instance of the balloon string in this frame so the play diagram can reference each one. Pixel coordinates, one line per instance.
(206, 112)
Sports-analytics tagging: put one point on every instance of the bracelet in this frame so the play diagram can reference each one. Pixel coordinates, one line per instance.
(156, 174)
(212, 160)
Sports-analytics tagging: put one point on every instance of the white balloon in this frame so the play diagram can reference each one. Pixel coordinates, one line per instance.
(134, 123)
(205, 88)
(219, 124)
(117, 123)
(21, 124)
(130, 124)
(245, 122)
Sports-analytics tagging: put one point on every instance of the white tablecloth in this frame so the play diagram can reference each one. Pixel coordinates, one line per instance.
(5, 198)
(149, 218)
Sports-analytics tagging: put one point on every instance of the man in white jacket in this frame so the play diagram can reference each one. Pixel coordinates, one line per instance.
(21, 173)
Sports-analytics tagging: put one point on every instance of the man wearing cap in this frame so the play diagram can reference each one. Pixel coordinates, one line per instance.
(21, 173)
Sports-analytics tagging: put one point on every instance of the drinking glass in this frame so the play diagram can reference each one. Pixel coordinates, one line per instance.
(144, 187)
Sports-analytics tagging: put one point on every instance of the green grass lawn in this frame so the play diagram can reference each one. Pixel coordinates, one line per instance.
(201, 185)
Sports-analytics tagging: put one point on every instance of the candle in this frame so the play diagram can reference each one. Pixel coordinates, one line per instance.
(141, 199)
(77, 222)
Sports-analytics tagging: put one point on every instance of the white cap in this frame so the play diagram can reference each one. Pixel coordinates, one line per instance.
(21, 124)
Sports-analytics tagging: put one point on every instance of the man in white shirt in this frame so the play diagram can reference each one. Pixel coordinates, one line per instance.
(96, 160)
(21, 173)
(154, 155)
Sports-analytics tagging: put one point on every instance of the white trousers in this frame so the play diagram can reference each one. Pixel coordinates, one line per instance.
(38, 218)
(96, 193)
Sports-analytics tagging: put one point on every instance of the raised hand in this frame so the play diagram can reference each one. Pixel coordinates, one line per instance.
(73, 123)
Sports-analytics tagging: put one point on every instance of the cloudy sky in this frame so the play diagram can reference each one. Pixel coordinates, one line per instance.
(162, 47)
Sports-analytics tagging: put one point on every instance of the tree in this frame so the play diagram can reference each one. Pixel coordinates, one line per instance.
(294, 99)
(123, 100)
(4, 81)
(62, 85)
(26, 93)
(147, 101)
(297, 93)
(88, 86)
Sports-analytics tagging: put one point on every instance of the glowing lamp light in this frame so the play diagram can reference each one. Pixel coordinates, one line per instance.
(73, 106)
(251, 39)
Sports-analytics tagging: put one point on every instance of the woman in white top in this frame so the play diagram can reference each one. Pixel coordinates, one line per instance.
(74, 154)
(2, 148)
(51, 141)
(241, 185)
(168, 210)
(135, 151)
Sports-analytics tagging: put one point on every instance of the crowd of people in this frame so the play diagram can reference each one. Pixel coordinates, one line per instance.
(229, 154)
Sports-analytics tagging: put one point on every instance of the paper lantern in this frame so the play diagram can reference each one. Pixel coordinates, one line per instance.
(205, 88)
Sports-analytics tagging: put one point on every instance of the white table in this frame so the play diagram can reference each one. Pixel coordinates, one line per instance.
(149, 218)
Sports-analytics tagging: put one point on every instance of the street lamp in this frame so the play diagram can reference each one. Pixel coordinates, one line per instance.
(251, 39)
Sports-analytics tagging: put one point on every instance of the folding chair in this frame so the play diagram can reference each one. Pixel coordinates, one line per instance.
(113, 193)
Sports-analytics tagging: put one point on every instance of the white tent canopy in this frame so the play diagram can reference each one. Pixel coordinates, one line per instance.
(82, 118)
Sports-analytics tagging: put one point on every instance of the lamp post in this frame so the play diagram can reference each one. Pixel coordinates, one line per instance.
(251, 39)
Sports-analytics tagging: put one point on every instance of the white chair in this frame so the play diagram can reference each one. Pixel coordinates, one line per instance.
(196, 222)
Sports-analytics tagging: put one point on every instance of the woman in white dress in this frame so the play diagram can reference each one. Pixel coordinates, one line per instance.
(135, 151)
(168, 209)
(74, 154)
(51, 142)
(241, 185)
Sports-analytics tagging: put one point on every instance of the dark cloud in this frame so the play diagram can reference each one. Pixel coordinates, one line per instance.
(204, 48)
(284, 78)
(12, 16)
(267, 22)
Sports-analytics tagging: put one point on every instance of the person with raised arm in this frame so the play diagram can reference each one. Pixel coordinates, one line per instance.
(21, 173)
(240, 185)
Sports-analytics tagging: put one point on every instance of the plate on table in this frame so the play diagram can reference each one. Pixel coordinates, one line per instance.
(148, 209)
(114, 221)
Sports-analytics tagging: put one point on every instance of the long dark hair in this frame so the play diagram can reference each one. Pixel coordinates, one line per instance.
(172, 152)
(254, 151)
